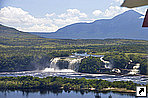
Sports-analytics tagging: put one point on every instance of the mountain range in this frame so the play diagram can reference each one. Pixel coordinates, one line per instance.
(127, 25)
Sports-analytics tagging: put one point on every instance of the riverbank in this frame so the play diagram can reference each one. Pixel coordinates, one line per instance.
(119, 90)
(74, 75)
(123, 90)
(80, 73)
(109, 73)
(54, 83)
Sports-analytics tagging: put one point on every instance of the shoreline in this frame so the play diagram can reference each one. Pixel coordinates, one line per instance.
(119, 90)
(75, 72)
(123, 90)
(57, 83)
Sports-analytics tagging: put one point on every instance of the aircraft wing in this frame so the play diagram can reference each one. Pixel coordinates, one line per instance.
(137, 3)
(134, 3)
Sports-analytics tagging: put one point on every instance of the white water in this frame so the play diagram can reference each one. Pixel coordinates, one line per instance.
(53, 70)
(68, 73)
(53, 63)
(135, 69)
(73, 61)
(73, 64)
(107, 65)
(57, 70)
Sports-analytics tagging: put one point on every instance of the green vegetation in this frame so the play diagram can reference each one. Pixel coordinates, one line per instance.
(120, 60)
(26, 63)
(21, 51)
(90, 65)
(29, 82)
(117, 59)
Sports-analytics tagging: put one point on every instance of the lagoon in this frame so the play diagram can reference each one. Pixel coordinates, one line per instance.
(63, 94)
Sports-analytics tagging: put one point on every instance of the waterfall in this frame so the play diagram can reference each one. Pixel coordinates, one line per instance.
(135, 69)
(74, 64)
(107, 65)
(64, 64)
(54, 62)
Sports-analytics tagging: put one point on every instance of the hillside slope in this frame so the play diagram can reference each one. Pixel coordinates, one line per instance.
(127, 25)
(13, 33)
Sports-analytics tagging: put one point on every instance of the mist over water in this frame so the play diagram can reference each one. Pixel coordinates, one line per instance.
(68, 67)
(64, 64)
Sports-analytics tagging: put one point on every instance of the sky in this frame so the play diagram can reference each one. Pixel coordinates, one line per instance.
(50, 15)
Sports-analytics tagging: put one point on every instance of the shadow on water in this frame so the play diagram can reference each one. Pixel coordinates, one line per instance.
(26, 92)
(111, 94)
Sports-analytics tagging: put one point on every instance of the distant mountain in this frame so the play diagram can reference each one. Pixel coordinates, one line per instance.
(8, 32)
(127, 25)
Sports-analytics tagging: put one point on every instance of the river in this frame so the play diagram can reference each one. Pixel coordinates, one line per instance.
(69, 73)
(72, 74)
(63, 94)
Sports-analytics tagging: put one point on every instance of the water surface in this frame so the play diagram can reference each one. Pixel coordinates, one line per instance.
(62, 94)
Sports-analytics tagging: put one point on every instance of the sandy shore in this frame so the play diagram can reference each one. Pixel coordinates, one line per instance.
(118, 90)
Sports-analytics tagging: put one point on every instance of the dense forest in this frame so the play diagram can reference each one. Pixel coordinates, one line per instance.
(117, 60)
(21, 51)
(90, 65)
(29, 82)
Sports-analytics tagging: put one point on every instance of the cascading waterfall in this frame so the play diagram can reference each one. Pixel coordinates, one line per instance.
(74, 64)
(135, 69)
(64, 64)
(54, 62)
(107, 65)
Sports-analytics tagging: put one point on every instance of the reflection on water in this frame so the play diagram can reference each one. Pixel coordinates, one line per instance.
(62, 94)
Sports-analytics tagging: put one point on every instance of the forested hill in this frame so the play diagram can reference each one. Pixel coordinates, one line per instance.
(22, 51)
(127, 25)
(12, 37)
(13, 33)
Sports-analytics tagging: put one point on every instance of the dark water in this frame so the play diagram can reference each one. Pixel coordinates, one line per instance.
(63, 94)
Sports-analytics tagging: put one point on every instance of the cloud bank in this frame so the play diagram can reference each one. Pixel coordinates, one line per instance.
(24, 21)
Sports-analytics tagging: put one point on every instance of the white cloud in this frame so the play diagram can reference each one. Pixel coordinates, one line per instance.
(23, 21)
(113, 11)
(39, 28)
(72, 13)
(50, 15)
(97, 12)
(120, 1)
(66, 21)
(19, 18)
(69, 17)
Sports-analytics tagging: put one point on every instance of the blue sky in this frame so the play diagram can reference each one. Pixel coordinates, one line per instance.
(50, 15)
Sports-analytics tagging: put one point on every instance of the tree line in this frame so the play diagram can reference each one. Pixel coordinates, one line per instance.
(117, 59)
(30, 82)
